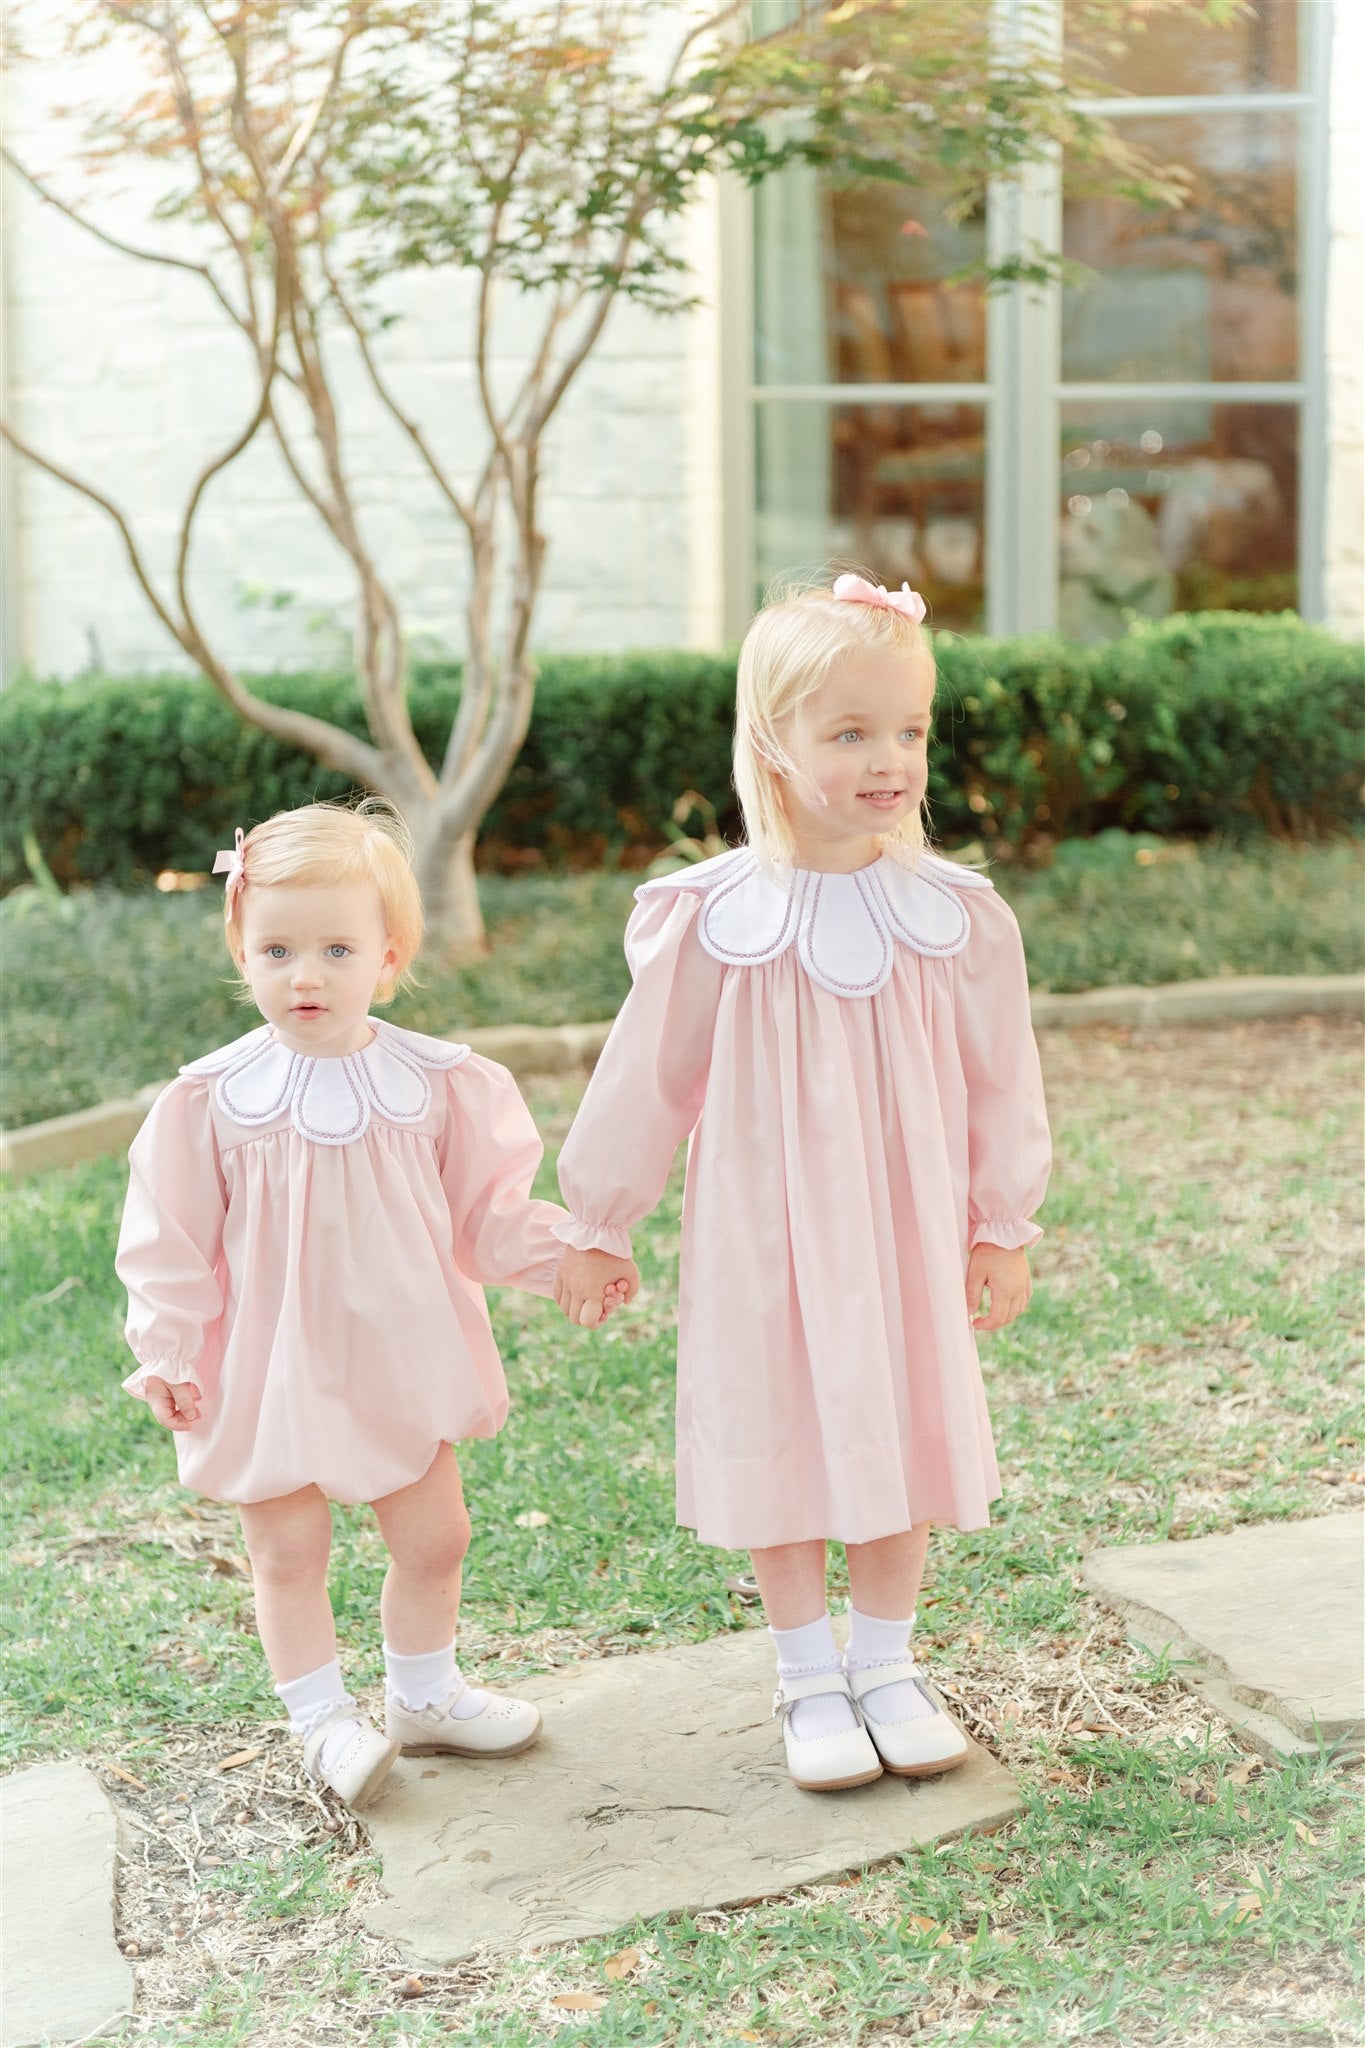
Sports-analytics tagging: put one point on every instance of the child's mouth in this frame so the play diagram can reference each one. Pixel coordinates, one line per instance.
(308, 1010)
(884, 799)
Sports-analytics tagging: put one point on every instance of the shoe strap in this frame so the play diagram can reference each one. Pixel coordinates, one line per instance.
(441, 1708)
(314, 1739)
(812, 1685)
(903, 1671)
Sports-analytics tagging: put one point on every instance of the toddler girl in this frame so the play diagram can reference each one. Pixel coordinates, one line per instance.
(311, 1215)
(839, 1021)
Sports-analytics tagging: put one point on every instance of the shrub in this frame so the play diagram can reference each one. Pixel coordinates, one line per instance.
(1212, 723)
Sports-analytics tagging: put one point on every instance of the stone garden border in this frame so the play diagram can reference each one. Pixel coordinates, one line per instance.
(530, 1049)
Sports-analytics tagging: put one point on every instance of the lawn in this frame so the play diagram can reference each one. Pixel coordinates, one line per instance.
(105, 992)
(1190, 1362)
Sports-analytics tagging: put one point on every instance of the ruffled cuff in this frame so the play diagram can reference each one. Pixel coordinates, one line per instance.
(593, 1237)
(1011, 1237)
(170, 1370)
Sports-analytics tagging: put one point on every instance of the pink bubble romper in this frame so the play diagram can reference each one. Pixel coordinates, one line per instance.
(307, 1241)
(851, 1058)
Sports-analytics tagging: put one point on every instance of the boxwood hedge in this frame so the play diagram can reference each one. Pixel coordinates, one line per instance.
(1211, 723)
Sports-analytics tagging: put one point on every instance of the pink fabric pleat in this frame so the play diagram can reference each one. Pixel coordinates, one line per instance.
(328, 1299)
(845, 1153)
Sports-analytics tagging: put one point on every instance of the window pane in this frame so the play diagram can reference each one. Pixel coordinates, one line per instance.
(1206, 293)
(849, 287)
(1176, 507)
(895, 491)
(1176, 52)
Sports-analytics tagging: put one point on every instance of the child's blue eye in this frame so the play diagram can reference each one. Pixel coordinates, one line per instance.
(337, 952)
(850, 736)
(276, 952)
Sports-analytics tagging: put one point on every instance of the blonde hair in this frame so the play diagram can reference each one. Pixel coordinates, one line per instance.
(786, 657)
(339, 843)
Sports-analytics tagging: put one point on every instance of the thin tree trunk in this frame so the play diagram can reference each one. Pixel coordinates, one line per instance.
(450, 895)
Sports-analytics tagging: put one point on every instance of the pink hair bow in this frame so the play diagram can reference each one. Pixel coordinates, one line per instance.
(232, 863)
(857, 590)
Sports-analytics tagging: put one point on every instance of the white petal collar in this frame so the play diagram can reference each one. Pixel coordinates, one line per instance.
(845, 927)
(330, 1101)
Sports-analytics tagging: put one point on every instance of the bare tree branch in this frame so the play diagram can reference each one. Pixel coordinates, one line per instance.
(307, 128)
(213, 468)
(200, 270)
(458, 505)
(719, 20)
(330, 744)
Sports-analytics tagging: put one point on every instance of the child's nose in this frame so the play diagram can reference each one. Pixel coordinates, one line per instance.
(306, 974)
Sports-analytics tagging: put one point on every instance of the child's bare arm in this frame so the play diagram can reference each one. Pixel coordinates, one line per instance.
(1005, 1274)
(589, 1285)
(174, 1406)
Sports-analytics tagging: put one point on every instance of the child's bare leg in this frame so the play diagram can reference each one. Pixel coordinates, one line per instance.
(426, 1531)
(884, 1581)
(884, 1577)
(791, 1580)
(289, 1541)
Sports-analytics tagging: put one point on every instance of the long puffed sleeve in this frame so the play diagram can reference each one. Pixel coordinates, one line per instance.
(170, 1248)
(646, 1092)
(489, 1154)
(1009, 1150)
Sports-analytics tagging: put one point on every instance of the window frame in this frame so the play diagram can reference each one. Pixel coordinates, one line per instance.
(1024, 392)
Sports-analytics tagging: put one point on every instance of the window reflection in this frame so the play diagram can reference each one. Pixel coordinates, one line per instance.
(897, 491)
(1204, 294)
(855, 287)
(1257, 51)
(1186, 507)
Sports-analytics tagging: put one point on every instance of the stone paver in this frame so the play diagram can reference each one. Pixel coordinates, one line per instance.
(1272, 1616)
(61, 1972)
(657, 1786)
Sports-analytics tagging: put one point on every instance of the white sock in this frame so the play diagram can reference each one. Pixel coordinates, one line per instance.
(429, 1680)
(872, 1642)
(801, 1652)
(311, 1699)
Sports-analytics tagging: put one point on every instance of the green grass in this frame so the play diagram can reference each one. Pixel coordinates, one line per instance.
(105, 992)
(1190, 1362)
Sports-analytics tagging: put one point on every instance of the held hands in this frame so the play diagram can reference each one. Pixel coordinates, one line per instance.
(1005, 1276)
(589, 1285)
(175, 1407)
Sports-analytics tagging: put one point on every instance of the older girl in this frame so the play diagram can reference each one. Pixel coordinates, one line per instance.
(839, 1021)
(312, 1213)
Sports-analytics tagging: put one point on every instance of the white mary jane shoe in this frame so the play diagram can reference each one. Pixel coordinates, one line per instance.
(825, 1763)
(358, 1774)
(502, 1728)
(919, 1748)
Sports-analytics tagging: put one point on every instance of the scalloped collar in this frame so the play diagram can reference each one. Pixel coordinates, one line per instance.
(845, 927)
(331, 1100)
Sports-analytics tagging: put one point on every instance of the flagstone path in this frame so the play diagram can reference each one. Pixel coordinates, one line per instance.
(1269, 1619)
(658, 1786)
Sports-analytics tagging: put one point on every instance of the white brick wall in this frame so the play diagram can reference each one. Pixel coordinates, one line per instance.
(131, 376)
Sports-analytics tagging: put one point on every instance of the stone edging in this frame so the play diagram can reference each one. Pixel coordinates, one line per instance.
(530, 1049)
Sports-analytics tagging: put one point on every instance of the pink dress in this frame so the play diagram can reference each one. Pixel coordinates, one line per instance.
(307, 1240)
(852, 1059)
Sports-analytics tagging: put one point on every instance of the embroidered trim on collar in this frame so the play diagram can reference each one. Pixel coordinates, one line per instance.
(330, 1101)
(845, 927)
